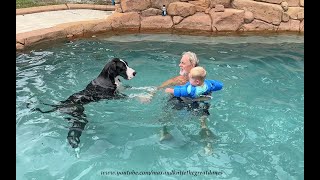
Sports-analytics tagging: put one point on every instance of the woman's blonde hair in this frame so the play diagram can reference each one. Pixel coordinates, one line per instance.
(192, 58)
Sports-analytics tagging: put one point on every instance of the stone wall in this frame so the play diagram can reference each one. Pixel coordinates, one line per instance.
(211, 16)
(191, 17)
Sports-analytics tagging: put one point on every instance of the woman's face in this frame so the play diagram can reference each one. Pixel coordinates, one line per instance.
(185, 65)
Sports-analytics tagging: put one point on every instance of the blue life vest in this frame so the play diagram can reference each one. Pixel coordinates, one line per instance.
(188, 90)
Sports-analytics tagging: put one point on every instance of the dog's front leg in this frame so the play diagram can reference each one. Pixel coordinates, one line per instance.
(78, 122)
(75, 132)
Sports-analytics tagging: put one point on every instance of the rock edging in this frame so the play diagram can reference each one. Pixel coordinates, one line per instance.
(191, 17)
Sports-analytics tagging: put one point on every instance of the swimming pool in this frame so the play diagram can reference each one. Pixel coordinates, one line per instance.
(257, 119)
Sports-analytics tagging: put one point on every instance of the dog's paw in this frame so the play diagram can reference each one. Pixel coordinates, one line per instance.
(73, 139)
(208, 150)
(165, 135)
(77, 151)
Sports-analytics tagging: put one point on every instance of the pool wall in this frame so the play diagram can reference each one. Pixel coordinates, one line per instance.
(203, 17)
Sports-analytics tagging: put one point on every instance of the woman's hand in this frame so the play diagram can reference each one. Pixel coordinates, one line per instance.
(146, 98)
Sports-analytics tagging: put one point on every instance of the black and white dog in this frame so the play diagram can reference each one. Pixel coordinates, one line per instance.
(103, 87)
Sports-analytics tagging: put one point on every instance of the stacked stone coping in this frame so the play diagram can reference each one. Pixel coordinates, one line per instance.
(202, 17)
(38, 9)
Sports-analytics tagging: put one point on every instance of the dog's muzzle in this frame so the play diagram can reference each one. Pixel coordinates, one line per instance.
(131, 73)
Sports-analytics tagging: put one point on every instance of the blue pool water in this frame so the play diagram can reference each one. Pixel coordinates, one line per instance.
(257, 119)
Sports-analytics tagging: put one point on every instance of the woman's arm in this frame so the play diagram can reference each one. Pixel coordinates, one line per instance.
(179, 80)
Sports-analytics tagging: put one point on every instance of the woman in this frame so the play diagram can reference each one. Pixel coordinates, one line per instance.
(188, 61)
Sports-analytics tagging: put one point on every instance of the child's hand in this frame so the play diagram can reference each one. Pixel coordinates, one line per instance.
(169, 90)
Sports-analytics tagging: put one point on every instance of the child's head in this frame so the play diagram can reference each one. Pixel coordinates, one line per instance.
(197, 76)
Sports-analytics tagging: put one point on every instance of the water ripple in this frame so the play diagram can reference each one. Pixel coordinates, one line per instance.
(256, 120)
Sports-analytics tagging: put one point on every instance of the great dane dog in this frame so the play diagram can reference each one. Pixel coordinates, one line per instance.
(102, 87)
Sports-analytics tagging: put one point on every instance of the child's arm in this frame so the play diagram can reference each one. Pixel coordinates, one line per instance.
(179, 91)
(216, 85)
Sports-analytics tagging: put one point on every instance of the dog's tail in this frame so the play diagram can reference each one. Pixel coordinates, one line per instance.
(38, 109)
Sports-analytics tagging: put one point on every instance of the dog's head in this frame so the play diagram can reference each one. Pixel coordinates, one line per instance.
(118, 67)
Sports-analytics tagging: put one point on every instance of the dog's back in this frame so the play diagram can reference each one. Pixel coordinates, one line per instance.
(91, 93)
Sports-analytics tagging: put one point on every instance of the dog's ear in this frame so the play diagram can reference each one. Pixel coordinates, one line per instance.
(112, 69)
(113, 65)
